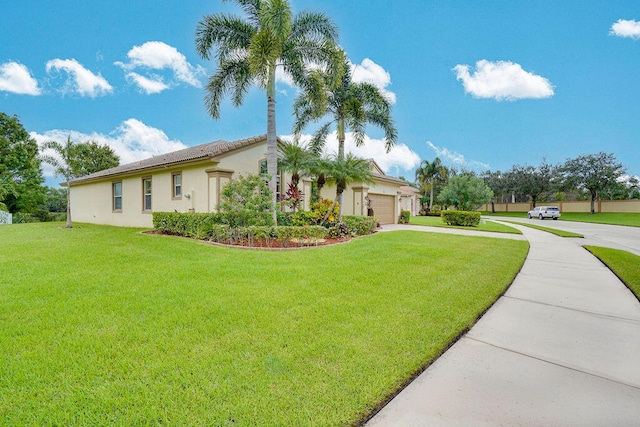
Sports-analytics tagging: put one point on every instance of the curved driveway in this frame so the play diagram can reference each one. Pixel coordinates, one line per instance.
(610, 236)
(559, 348)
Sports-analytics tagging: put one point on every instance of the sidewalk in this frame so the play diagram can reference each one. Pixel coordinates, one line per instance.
(561, 347)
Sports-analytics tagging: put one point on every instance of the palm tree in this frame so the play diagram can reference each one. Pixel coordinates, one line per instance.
(295, 159)
(249, 50)
(64, 165)
(345, 171)
(426, 175)
(350, 106)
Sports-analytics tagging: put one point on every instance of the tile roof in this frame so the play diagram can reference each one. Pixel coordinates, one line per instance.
(202, 151)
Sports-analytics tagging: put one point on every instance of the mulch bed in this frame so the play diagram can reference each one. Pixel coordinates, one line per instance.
(269, 244)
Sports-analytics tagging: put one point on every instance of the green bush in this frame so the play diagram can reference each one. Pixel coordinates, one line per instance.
(23, 218)
(404, 217)
(196, 225)
(246, 201)
(360, 225)
(463, 218)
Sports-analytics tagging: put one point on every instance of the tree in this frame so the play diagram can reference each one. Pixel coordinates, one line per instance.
(427, 174)
(91, 157)
(499, 183)
(293, 158)
(20, 173)
(465, 192)
(65, 164)
(249, 50)
(349, 105)
(593, 172)
(344, 172)
(532, 181)
(56, 200)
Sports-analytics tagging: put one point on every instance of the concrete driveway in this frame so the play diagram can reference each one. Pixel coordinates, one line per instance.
(560, 348)
(610, 236)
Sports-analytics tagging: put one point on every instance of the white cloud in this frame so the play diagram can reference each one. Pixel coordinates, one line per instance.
(502, 80)
(80, 80)
(456, 158)
(16, 78)
(154, 84)
(626, 28)
(132, 141)
(399, 158)
(157, 55)
(370, 72)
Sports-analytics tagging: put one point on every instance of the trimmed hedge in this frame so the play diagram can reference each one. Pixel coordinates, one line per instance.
(209, 226)
(463, 218)
(404, 217)
(360, 225)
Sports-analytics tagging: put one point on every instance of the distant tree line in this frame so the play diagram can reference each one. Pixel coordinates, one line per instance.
(22, 192)
(587, 177)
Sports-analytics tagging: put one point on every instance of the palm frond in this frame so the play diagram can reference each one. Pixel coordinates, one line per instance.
(319, 139)
(226, 33)
(232, 77)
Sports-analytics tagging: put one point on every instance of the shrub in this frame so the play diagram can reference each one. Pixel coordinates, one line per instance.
(246, 201)
(197, 225)
(338, 230)
(404, 217)
(360, 225)
(463, 218)
(320, 208)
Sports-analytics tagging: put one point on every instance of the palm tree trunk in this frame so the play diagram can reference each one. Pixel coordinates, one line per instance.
(341, 138)
(69, 225)
(272, 142)
(431, 196)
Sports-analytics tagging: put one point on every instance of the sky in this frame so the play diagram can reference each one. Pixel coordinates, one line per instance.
(483, 85)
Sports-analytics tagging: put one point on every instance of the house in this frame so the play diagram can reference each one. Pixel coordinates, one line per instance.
(410, 199)
(190, 180)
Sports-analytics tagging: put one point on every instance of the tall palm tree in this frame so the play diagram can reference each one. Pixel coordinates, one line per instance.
(350, 106)
(345, 171)
(426, 175)
(64, 165)
(249, 50)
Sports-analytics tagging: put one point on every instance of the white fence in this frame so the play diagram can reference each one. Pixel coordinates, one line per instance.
(5, 217)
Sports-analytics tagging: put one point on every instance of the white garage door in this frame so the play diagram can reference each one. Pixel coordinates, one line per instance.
(383, 208)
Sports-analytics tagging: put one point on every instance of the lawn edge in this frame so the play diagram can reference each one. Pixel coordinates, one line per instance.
(435, 358)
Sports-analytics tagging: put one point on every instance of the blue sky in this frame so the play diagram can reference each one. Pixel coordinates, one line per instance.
(481, 84)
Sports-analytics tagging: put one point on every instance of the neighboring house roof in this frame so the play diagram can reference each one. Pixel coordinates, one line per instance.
(409, 190)
(198, 152)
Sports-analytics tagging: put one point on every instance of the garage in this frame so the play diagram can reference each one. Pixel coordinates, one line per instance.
(383, 207)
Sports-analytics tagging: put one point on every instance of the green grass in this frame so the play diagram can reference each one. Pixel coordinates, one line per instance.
(436, 221)
(624, 264)
(629, 219)
(557, 232)
(106, 326)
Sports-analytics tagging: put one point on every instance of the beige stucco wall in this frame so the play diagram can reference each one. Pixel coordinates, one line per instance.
(201, 184)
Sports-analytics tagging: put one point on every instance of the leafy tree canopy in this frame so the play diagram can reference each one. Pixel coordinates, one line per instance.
(90, 157)
(465, 192)
(593, 172)
(20, 175)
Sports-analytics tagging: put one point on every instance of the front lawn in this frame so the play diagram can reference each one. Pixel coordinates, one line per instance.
(436, 221)
(624, 264)
(107, 326)
(630, 219)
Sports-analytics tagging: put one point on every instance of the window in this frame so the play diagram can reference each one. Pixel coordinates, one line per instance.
(263, 172)
(176, 185)
(146, 192)
(117, 196)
